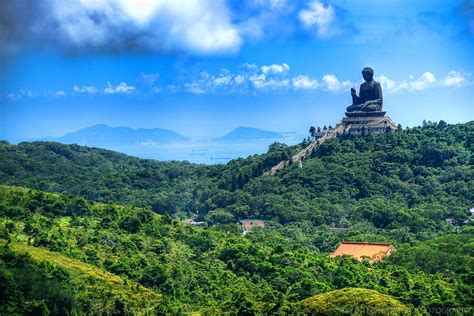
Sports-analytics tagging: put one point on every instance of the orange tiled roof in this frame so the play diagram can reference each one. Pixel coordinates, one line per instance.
(359, 250)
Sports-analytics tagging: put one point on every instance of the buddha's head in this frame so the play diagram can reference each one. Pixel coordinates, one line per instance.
(368, 73)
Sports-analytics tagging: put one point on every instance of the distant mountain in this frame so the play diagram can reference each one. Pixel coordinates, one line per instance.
(103, 135)
(249, 133)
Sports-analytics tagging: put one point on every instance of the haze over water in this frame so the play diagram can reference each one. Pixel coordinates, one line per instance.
(201, 151)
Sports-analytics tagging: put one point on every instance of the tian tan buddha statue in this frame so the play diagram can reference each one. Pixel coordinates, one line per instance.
(370, 94)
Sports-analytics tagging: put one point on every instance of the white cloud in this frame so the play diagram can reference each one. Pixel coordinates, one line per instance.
(141, 11)
(387, 83)
(304, 83)
(250, 78)
(197, 26)
(456, 79)
(195, 88)
(331, 83)
(318, 15)
(53, 93)
(275, 69)
(150, 78)
(190, 26)
(21, 94)
(261, 82)
(239, 79)
(27, 93)
(258, 81)
(122, 88)
(425, 81)
(224, 82)
(248, 69)
(84, 89)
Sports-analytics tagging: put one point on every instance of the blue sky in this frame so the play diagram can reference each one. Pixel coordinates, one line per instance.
(202, 68)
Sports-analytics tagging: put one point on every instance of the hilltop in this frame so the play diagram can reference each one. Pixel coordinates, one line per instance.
(353, 301)
(249, 133)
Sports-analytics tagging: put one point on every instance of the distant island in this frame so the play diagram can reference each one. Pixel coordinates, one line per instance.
(103, 135)
(249, 133)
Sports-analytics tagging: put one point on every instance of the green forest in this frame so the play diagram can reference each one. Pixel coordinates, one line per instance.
(88, 230)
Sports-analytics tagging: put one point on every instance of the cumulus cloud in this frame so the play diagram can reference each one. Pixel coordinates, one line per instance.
(319, 15)
(27, 94)
(302, 82)
(122, 88)
(224, 82)
(195, 88)
(21, 94)
(456, 79)
(332, 84)
(387, 83)
(261, 82)
(199, 26)
(324, 18)
(84, 89)
(425, 81)
(190, 26)
(251, 79)
(275, 69)
(59, 93)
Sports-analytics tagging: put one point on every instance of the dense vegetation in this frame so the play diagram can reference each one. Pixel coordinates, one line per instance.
(36, 281)
(410, 169)
(412, 188)
(200, 268)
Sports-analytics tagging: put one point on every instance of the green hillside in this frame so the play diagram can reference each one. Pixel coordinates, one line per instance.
(35, 280)
(215, 268)
(353, 301)
(120, 216)
(413, 168)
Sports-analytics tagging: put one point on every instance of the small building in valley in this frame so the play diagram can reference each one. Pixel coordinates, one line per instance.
(249, 224)
(191, 221)
(364, 250)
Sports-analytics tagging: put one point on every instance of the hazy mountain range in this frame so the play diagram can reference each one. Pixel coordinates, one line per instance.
(103, 135)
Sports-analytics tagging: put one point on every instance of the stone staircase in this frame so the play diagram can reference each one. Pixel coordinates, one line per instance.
(306, 152)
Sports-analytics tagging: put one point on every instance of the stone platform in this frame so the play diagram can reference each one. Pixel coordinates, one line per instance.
(359, 123)
(366, 114)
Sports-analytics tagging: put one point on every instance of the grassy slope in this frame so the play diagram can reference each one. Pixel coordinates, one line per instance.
(353, 301)
(95, 283)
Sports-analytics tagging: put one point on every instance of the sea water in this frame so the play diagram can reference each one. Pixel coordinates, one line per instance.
(212, 152)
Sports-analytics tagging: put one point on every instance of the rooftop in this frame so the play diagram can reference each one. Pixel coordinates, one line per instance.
(359, 250)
